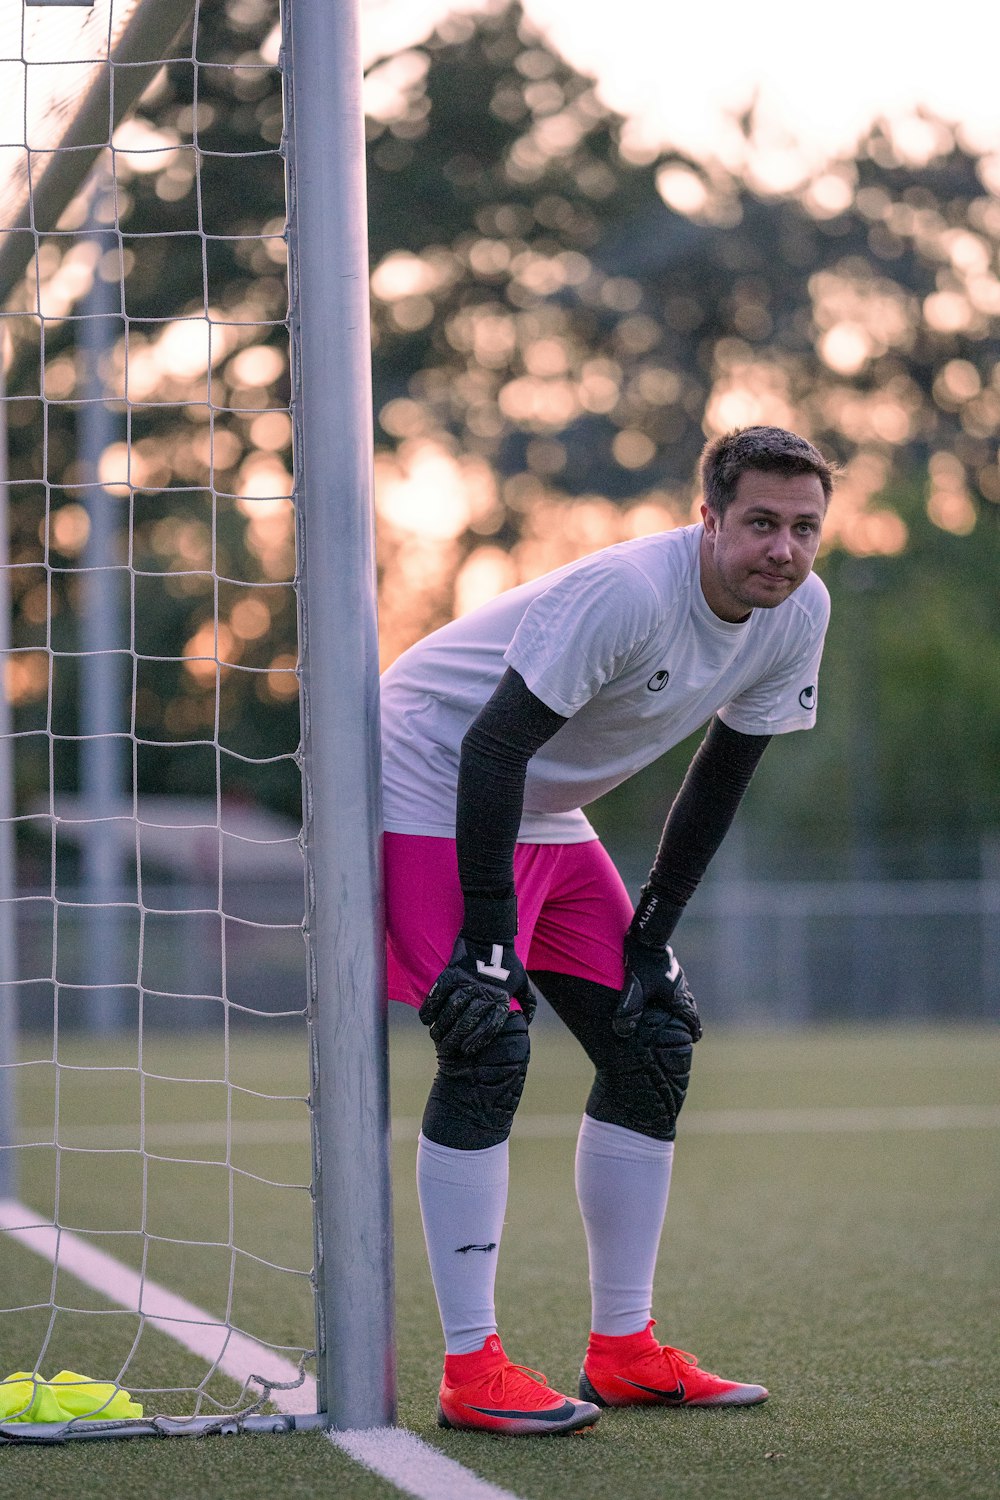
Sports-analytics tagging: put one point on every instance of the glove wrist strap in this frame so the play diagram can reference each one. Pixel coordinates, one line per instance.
(655, 919)
(489, 920)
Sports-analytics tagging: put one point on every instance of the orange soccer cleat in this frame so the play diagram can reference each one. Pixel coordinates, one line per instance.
(637, 1371)
(484, 1392)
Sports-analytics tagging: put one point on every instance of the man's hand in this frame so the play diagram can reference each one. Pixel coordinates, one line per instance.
(470, 1000)
(653, 977)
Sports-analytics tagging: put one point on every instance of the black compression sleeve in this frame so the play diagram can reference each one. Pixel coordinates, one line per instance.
(495, 754)
(697, 823)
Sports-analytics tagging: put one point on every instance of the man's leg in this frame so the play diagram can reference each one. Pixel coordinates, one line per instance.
(624, 1160)
(462, 1153)
(625, 1149)
(622, 1185)
(462, 1183)
(462, 1180)
(626, 1142)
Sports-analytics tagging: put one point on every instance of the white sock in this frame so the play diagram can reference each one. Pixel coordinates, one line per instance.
(463, 1198)
(622, 1183)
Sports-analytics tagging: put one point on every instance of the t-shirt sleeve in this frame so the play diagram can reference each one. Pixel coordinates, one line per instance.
(580, 632)
(786, 697)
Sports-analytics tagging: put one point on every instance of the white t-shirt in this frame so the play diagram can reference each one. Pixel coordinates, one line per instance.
(624, 645)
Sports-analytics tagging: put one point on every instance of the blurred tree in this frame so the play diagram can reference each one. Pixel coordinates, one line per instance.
(558, 321)
(198, 176)
(542, 302)
(537, 300)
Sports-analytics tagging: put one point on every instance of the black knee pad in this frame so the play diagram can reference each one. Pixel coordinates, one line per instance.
(473, 1099)
(642, 1079)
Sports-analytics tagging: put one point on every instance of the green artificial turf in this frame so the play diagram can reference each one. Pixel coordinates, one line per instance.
(853, 1272)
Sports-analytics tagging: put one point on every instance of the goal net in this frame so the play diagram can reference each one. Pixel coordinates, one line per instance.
(158, 1049)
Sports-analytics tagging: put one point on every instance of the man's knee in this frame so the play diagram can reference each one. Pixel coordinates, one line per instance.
(473, 1100)
(642, 1080)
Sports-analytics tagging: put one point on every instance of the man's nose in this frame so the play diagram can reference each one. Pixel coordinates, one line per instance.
(781, 545)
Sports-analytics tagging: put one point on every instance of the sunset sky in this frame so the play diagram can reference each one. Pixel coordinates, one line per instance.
(819, 75)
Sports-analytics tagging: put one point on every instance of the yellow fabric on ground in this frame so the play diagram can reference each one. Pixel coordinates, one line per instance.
(27, 1398)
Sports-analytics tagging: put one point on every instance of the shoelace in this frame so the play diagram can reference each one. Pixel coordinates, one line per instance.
(497, 1388)
(673, 1356)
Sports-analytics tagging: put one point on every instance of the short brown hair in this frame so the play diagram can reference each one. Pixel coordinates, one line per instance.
(771, 450)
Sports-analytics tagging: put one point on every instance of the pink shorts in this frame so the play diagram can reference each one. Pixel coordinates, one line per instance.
(573, 910)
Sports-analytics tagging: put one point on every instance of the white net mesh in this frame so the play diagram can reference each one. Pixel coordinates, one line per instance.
(158, 1182)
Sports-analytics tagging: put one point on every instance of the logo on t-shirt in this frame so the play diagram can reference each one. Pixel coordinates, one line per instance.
(807, 697)
(658, 681)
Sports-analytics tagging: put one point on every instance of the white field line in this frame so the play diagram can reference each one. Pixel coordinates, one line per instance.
(414, 1467)
(823, 1120)
(399, 1456)
(772, 1121)
(235, 1354)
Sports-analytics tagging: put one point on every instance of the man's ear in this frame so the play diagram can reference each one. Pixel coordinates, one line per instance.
(710, 519)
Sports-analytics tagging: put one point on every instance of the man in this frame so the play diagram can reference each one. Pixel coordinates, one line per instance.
(498, 729)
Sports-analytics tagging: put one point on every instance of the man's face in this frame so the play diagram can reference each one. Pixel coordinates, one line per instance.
(764, 545)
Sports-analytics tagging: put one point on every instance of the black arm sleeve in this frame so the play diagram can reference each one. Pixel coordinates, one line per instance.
(495, 754)
(697, 823)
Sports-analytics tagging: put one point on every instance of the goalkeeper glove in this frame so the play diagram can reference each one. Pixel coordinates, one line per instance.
(469, 1002)
(653, 977)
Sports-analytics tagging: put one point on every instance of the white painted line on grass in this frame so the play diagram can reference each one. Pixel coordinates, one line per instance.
(547, 1127)
(777, 1121)
(873, 1118)
(235, 1354)
(399, 1456)
(768, 1121)
(414, 1467)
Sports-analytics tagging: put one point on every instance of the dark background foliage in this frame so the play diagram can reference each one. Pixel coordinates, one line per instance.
(544, 322)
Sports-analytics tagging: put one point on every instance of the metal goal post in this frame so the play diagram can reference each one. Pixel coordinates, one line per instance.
(127, 41)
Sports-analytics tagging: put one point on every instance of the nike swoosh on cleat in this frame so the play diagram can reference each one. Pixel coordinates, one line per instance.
(673, 1398)
(557, 1413)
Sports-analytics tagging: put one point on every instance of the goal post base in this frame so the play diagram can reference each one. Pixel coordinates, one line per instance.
(64, 1432)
